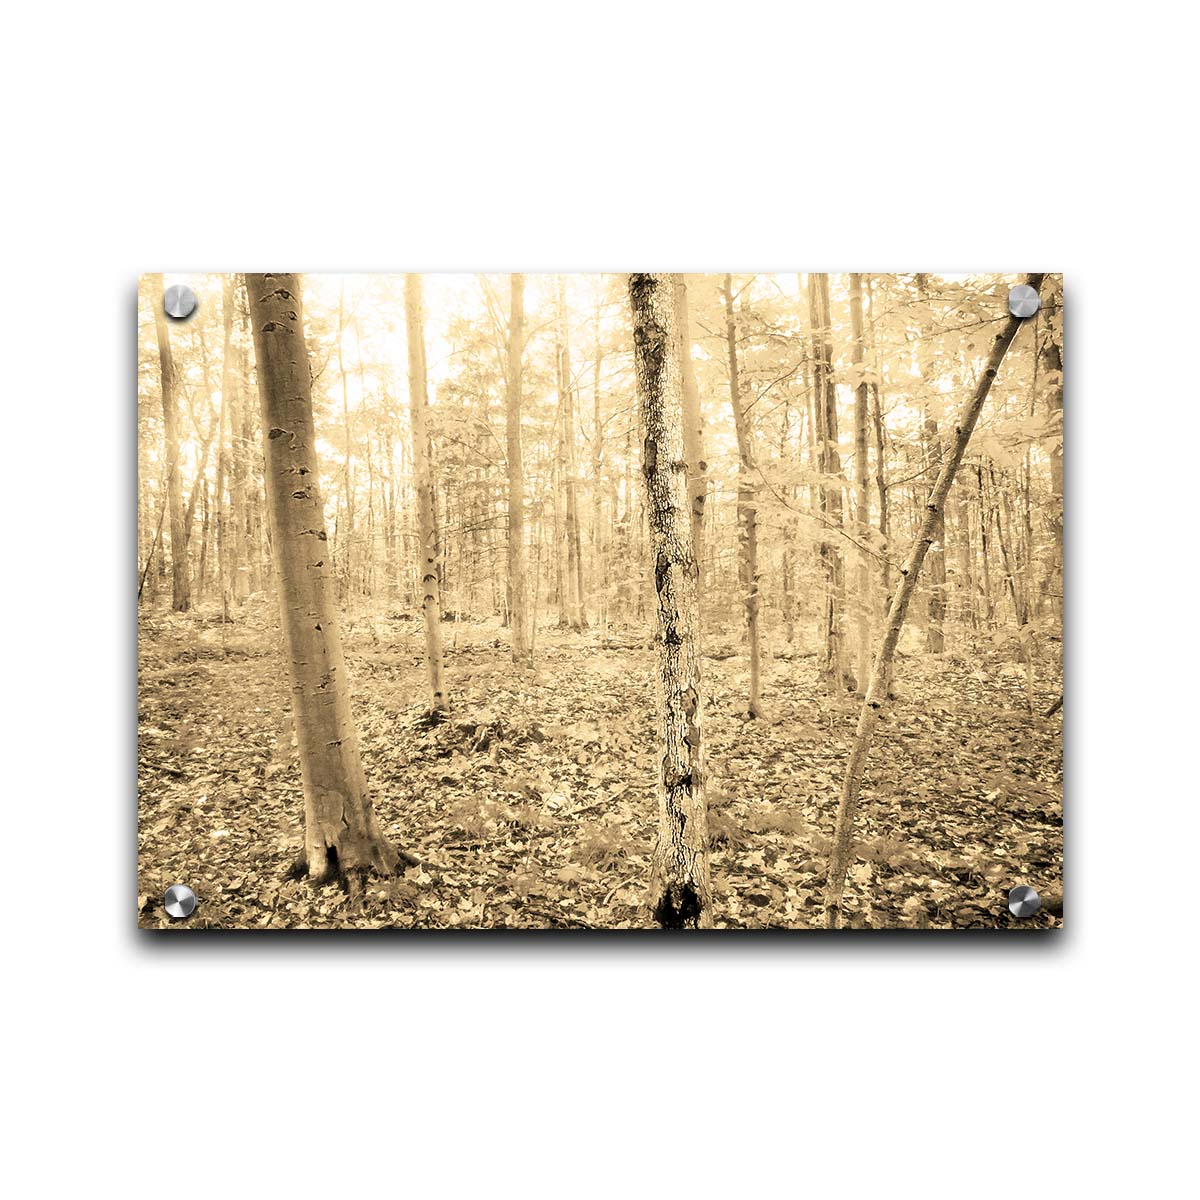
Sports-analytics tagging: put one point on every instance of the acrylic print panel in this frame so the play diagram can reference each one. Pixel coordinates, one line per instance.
(722, 601)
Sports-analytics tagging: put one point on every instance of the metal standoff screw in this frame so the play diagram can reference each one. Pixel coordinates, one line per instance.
(1023, 901)
(180, 901)
(180, 301)
(1023, 301)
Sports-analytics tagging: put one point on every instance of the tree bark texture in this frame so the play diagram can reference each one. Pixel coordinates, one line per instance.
(342, 834)
(680, 892)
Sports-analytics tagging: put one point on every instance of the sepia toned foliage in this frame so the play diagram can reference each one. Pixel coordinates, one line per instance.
(561, 518)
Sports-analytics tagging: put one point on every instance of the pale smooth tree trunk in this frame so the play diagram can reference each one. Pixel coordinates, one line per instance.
(680, 891)
(342, 835)
(522, 649)
(747, 509)
(693, 426)
(875, 705)
(181, 599)
(427, 545)
(863, 604)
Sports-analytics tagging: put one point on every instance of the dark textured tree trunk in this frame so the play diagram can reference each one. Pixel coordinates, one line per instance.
(680, 892)
(342, 834)
(875, 704)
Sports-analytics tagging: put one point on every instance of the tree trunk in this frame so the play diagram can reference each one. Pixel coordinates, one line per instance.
(599, 547)
(833, 663)
(205, 527)
(239, 569)
(747, 509)
(566, 384)
(181, 599)
(1052, 381)
(881, 486)
(935, 632)
(427, 545)
(693, 427)
(342, 835)
(522, 651)
(862, 497)
(227, 386)
(680, 892)
(875, 704)
(345, 537)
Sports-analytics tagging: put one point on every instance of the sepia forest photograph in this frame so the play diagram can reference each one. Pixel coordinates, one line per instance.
(600, 601)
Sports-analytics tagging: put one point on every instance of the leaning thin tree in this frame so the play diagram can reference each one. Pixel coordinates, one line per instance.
(875, 704)
(342, 835)
(680, 892)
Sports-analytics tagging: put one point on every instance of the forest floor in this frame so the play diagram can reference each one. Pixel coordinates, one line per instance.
(533, 805)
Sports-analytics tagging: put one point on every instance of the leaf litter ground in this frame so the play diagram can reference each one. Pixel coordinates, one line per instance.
(533, 805)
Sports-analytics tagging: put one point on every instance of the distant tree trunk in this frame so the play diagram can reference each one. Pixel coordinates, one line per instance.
(227, 387)
(427, 545)
(881, 486)
(239, 570)
(966, 555)
(862, 495)
(1052, 381)
(522, 651)
(342, 835)
(693, 427)
(875, 704)
(253, 497)
(599, 545)
(935, 631)
(205, 527)
(747, 509)
(985, 519)
(181, 599)
(345, 538)
(566, 384)
(833, 663)
(680, 891)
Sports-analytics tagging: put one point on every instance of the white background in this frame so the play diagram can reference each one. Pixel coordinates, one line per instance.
(606, 135)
